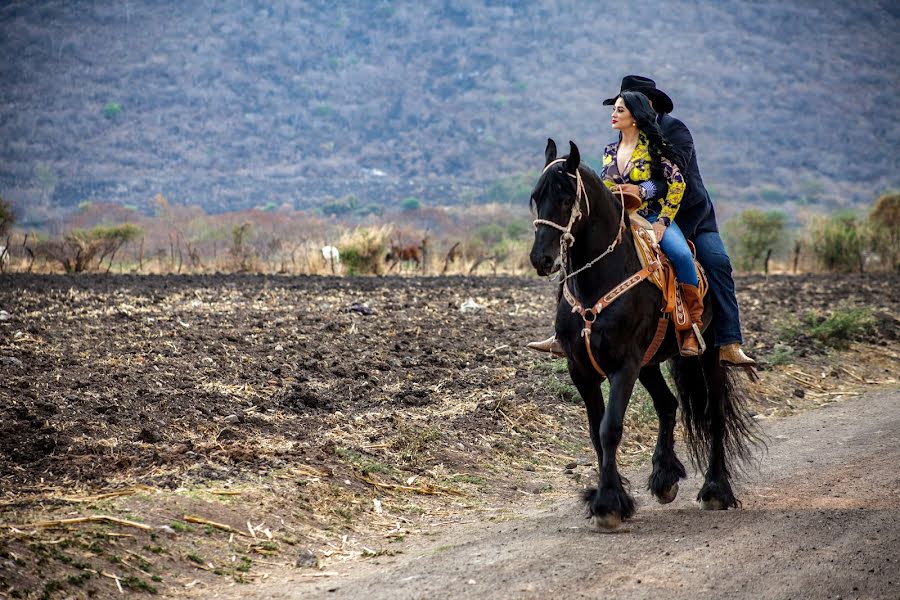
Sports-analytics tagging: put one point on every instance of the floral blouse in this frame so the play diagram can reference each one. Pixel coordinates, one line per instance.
(638, 171)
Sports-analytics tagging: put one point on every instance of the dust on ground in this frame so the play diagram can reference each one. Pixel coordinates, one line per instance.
(236, 424)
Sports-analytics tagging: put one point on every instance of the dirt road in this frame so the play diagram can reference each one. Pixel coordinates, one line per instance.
(820, 519)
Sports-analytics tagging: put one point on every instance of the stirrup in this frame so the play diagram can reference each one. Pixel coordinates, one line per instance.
(700, 341)
(701, 344)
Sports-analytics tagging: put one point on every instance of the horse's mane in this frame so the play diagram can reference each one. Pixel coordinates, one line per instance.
(589, 175)
(586, 172)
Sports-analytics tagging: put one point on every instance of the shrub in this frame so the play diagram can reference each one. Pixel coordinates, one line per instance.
(78, 249)
(841, 326)
(518, 230)
(112, 110)
(838, 242)
(410, 204)
(506, 249)
(513, 189)
(363, 249)
(754, 235)
(836, 329)
(490, 233)
(884, 223)
(342, 206)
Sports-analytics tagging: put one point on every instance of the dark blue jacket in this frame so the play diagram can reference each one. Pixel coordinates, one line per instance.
(696, 214)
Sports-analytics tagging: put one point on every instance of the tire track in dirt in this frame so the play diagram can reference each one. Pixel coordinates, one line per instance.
(820, 519)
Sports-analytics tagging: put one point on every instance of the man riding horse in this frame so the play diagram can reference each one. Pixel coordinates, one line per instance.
(696, 219)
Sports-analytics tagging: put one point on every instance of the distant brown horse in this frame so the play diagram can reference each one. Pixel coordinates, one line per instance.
(399, 254)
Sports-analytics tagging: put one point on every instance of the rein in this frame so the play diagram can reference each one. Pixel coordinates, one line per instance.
(566, 240)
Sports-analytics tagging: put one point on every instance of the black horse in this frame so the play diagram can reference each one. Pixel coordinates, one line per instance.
(718, 426)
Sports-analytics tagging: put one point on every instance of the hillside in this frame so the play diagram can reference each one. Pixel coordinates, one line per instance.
(235, 103)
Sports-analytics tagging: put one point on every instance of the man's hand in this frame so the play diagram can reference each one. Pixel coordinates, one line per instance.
(660, 230)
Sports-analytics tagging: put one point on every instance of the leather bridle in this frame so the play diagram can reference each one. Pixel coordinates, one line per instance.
(566, 240)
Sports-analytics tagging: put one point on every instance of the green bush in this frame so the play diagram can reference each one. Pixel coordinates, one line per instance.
(504, 249)
(490, 233)
(340, 207)
(514, 189)
(410, 204)
(518, 230)
(838, 242)
(754, 235)
(112, 110)
(835, 329)
(80, 250)
(354, 262)
(841, 326)
(362, 250)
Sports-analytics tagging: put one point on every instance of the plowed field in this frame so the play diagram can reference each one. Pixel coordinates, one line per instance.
(329, 411)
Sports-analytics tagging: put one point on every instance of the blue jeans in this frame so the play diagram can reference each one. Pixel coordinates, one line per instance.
(714, 259)
(677, 250)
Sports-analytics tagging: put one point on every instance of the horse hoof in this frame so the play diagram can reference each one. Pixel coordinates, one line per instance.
(606, 522)
(668, 495)
(712, 504)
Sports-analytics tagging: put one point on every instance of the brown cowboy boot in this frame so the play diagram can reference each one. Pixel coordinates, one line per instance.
(731, 355)
(551, 345)
(691, 345)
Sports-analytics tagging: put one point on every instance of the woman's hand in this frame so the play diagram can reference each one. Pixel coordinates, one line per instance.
(660, 230)
(631, 188)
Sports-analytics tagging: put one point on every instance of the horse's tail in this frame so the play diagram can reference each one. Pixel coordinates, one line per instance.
(714, 406)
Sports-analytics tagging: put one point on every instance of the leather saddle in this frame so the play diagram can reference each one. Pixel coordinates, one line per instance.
(664, 278)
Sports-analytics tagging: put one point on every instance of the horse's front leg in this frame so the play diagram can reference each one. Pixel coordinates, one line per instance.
(588, 385)
(611, 503)
(667, 469)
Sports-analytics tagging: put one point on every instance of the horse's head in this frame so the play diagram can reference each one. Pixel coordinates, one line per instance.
(552, 201)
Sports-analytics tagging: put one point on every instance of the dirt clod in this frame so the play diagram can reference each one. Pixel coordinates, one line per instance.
(306, 559)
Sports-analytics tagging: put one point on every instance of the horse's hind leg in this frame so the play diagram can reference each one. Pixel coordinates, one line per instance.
(667, 469)
(716, 493)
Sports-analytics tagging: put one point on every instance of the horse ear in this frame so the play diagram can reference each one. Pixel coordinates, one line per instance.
(574, 158)
(549, 152)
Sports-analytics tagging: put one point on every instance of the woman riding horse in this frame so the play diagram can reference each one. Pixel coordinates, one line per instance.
(638, 158)
(608, 324)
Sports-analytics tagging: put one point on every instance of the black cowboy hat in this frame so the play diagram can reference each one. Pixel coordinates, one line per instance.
(635, 83)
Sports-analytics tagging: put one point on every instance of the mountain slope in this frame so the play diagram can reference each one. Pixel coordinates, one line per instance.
(234, 104)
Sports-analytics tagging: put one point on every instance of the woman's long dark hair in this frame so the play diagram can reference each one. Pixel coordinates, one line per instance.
(639, 106)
